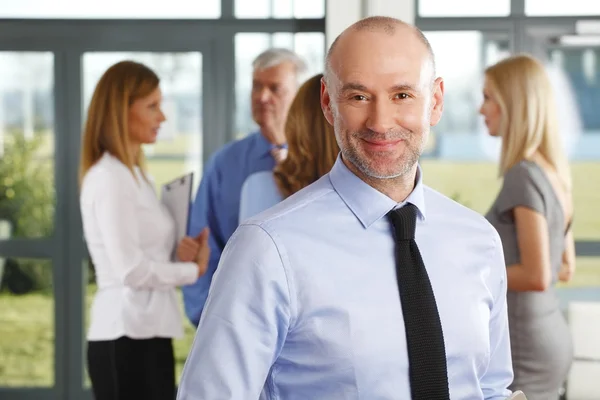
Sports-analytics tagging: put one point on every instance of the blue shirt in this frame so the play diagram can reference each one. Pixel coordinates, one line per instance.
(305, 303)
(217, 205)
(259, 193)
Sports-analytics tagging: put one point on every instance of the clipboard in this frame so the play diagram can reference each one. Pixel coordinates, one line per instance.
(176, 196)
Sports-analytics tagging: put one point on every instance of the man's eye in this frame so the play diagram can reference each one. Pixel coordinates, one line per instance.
(359, 97)
(402, 96)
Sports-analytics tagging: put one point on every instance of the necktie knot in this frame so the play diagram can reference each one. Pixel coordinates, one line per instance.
(404, 220)
(279, 153)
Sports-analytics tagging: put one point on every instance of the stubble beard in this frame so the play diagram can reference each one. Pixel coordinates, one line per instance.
(350, 151)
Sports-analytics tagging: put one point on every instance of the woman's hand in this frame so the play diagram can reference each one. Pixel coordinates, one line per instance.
(203, 253)
(565, 274)
(195, 250)
(188, 249)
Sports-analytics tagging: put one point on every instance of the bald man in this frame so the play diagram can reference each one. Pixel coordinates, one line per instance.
(367, 284)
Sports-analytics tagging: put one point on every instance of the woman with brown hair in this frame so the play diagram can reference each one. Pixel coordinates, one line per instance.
(312, 151)
(532, 214)
(131, 237)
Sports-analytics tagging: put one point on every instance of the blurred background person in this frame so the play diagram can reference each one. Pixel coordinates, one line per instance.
(275, 80)
(131, 238)
(312, 151)
(533, 214)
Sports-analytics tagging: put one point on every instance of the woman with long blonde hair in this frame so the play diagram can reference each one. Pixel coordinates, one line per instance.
(532, 214)
(131, 239)
(312, 151)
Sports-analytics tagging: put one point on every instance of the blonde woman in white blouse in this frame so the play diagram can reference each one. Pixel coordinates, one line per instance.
(131, 238)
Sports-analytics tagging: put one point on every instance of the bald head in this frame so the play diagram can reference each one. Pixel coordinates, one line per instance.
(385, 25)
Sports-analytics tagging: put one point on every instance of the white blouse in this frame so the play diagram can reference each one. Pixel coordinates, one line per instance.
(131, 239)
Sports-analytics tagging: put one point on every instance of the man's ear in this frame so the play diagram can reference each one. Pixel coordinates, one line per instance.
(437, 102)
(326, 102)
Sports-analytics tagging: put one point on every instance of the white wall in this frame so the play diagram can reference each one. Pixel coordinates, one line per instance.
(342, 13)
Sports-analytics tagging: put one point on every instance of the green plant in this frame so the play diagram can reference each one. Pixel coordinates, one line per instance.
(27, 203)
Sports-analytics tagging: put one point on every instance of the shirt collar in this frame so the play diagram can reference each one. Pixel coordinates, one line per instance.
(368, 204)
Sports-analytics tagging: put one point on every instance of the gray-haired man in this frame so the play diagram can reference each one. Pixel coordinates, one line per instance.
(275, 80)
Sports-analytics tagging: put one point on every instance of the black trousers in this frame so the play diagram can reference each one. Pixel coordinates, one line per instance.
(129, 369)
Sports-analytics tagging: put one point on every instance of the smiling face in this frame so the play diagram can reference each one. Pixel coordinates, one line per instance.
(145, 118)
(381, 98)
(490, 109)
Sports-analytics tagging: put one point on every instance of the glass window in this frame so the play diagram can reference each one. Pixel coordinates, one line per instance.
(310, 45)
(279, 9)
(459, 146)
(581, 69)
(561, 8)
(26, 322)
(27, 197)
(178, 149)
(110, 9)
(464, 8)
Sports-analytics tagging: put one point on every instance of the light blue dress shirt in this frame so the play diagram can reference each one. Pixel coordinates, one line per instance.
(217, 205)
(305, 303)
(259, 193)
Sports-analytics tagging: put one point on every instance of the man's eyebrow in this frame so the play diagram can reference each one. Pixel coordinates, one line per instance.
(347, 87)
(403, 87)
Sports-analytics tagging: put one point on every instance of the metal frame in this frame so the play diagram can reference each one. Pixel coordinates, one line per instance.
(525, 35)
(215, 40)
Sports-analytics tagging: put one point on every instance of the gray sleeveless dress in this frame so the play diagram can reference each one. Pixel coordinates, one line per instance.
(541, 343)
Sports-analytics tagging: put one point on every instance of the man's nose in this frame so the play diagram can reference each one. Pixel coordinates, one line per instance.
(264, 95)
(382, 117)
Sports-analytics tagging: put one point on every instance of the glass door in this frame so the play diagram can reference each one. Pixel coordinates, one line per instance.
(179, 147)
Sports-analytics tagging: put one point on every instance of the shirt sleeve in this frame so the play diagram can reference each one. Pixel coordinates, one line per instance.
(520, 189)
(244, 323)
(499, 374)
(205, 213)
(115, 207)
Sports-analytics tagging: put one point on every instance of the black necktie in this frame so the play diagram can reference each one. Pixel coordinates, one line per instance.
(424, 336)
